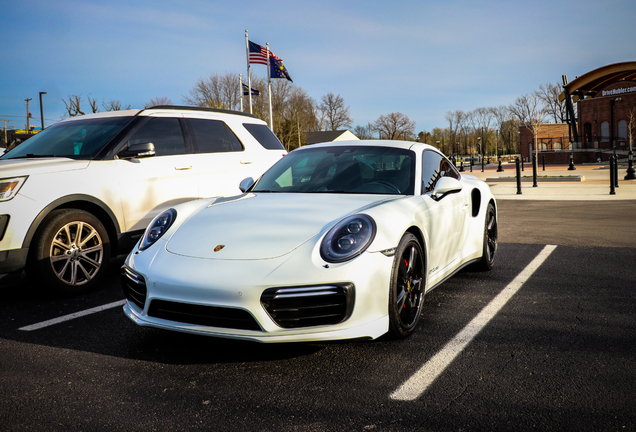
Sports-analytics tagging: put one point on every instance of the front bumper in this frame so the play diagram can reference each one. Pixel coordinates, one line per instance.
(229, 290)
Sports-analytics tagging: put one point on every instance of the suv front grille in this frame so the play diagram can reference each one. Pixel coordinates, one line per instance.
(308, 306)
(211, 316)
(134, 287)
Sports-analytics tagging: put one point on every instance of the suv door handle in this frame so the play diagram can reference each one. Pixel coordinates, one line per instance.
(246, 162)
(183, 168)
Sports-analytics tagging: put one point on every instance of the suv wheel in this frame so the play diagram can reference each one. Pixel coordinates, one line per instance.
(71, 251)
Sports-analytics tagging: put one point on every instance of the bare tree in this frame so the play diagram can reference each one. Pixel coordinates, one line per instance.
(73, 105)
(364, 132)
(297, 118)
(114, 105)
(455, 121)
(93, 104)
(159, 101)
(549, 95)
(395, 126)
(335, 113)
(483, 120)
(216, 91)
(530, 114)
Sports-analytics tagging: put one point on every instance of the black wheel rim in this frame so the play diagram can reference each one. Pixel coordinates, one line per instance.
(76, 253)
(491, 236)
(409, 286)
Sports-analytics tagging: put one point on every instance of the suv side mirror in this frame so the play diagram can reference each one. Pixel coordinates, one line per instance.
(246, 184)
(137, 150)
(445, 186)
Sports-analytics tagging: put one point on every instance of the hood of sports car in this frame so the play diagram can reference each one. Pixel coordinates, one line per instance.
(262, 226)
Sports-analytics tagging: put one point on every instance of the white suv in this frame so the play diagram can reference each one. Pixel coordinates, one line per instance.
(85, 188)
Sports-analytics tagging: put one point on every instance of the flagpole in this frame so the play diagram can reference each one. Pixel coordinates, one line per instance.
(241, 90)
(269, 89)
(249, 77)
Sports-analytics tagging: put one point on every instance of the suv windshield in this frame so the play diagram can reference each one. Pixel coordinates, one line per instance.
(77, 139)
(342, 169)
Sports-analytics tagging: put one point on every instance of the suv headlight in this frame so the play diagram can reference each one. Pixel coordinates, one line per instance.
(9, 187)
(157, 228)
(348, 238)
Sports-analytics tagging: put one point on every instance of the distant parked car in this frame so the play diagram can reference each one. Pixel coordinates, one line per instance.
(87, 187)
(335, 241)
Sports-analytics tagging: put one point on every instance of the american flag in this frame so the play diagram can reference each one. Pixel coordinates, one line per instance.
(258, 54)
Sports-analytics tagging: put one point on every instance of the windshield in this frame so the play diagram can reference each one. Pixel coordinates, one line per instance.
(78, 139)
(342, 169)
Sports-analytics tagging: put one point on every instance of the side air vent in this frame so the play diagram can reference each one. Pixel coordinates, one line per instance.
(475, 197)
(134, 287)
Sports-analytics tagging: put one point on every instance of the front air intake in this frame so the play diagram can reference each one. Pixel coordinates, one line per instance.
(309, 306)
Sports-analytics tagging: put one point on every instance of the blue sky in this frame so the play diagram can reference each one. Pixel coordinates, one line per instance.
(421, 58)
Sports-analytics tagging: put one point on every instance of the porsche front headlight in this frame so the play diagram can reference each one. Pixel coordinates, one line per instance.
(348, 238)
(157, 228)
(9, 187)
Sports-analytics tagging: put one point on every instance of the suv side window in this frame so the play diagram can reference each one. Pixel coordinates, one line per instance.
(165, 133)
(213, 136)
(264, 136)
(434, 167)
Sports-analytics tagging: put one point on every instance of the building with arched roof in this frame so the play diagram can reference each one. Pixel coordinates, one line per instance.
(601, 111)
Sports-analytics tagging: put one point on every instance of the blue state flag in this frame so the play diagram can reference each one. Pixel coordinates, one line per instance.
(277, 69)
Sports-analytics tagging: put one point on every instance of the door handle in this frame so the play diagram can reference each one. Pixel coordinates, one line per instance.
(246, 162)
(183, 168)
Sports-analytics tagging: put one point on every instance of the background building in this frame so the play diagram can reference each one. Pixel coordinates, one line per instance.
(601, 107)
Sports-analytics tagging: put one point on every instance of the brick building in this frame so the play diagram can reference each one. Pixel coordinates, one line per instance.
(604, 99)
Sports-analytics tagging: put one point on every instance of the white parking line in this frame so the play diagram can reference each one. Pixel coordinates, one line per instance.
(72, 316)
(424, 377)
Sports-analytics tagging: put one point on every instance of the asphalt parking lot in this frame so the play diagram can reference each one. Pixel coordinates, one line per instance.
(511, 349)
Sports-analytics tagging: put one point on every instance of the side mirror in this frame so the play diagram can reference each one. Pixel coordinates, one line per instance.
(246, 184)
(445, 186)
(138, 150)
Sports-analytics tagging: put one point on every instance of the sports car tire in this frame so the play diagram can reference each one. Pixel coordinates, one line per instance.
(490, 240)
(71, 251)
(407, 288)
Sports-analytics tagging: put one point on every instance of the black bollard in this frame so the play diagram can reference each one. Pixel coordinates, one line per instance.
(522, 169)
(534, 170)
(518, 163)
(631, 173)
(611, 164)
(615, 171)
(500, 168)
(543, 156)
(571, 167)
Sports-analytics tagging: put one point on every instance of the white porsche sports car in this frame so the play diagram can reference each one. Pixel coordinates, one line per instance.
(335, 241)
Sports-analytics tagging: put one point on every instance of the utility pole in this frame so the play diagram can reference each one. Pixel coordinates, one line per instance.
(28, 128)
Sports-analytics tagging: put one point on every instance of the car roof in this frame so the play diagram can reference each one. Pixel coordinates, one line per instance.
(159, 108)
(409, 145)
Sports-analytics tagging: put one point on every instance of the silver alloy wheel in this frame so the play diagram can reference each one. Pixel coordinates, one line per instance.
(76, 253)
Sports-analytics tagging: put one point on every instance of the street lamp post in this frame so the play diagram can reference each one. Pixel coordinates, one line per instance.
(482, 153)
(42, 109)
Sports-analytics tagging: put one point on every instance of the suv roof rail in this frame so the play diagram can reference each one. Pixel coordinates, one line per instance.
(194, 108)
